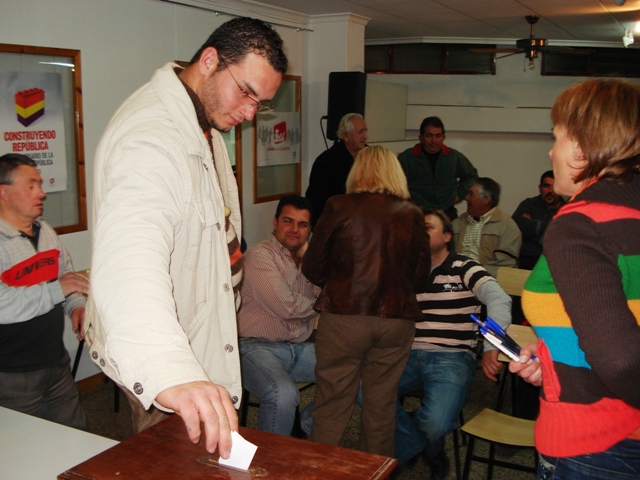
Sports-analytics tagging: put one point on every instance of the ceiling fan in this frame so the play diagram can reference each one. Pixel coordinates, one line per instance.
(529, 46)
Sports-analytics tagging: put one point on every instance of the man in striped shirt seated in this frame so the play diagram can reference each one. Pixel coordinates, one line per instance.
(443, 361)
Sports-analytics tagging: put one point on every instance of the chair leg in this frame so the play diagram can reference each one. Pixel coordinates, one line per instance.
(503, 388)
(461, 420)
(513, 392)
(296, 430)
(492, 453)
(76, 361)
(116, 397)
(456, 452)
(244, 408)
(467, 460)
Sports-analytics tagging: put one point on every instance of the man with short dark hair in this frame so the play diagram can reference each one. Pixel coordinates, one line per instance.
(532, 217)
(438, 176)
(37, 288)
(443, 361)
(484, 232)
(276, 319)
(331, 168)
(166, 257)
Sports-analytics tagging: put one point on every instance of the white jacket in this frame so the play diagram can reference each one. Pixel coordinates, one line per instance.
(161, 308)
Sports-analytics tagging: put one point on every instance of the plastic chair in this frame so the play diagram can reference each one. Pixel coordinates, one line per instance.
(512, 280)
(496, 427)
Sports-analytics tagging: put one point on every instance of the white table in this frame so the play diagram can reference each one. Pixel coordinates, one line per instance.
(36, 449)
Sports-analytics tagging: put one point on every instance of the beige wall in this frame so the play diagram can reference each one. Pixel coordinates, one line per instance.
(500, 122)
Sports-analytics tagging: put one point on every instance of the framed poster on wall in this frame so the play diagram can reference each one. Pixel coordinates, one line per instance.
(41, 117)
(278, 145)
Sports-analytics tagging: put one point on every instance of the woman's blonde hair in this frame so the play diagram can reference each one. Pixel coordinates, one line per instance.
(377, 170)
(603, 117)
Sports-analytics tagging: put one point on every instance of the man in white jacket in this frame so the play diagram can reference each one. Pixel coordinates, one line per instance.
(166, 258)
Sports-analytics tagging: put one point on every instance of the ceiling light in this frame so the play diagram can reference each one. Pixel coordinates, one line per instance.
(619, 2)
(627, 39)
(638, 27)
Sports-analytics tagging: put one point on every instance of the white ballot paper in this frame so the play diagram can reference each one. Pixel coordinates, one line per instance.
(242, 453)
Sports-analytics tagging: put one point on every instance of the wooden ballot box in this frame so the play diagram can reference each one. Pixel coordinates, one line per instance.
(165, 452)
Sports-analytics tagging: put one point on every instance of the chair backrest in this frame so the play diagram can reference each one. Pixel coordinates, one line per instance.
(523, 336)
(512, 280)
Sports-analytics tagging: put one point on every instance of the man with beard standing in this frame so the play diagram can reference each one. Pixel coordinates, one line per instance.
(166, 256)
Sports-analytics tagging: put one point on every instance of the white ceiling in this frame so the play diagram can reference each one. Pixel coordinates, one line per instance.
(570, 22)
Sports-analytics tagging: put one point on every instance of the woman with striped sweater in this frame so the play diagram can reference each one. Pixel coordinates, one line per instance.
(583, 296)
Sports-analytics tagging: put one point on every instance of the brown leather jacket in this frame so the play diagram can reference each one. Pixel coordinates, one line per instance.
(370, 254)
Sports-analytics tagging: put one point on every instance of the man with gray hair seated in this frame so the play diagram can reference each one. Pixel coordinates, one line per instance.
(484, 232)
(329, 172)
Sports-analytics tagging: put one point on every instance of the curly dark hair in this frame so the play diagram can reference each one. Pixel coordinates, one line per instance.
(236, 38)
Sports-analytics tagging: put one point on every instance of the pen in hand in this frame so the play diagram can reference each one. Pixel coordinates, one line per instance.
(496, 335)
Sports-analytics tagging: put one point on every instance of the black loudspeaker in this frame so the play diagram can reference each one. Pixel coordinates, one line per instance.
(346, 95)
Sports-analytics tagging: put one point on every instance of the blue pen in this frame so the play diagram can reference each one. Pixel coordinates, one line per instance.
(490, 326)
(496, 335)
(494, 326)
(513, 354)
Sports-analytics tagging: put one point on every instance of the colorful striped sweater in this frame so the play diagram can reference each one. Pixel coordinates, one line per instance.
(583, 300)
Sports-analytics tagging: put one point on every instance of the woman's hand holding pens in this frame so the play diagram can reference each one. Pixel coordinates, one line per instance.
(529, 370)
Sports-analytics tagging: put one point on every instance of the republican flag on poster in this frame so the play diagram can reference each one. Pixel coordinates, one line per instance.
(32, 123)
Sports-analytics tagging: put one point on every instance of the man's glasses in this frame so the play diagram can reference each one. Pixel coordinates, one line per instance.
(261, 107)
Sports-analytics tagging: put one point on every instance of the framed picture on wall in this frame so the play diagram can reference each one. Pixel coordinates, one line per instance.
(278, 145)
(41, 117)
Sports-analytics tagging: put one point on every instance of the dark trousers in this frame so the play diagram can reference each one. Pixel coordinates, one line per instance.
(49, 393)
(351, 349)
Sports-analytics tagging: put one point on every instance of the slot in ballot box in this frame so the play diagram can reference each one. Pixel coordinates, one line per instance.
(165, 452)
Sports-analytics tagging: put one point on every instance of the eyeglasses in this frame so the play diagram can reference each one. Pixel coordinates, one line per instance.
(260, 106)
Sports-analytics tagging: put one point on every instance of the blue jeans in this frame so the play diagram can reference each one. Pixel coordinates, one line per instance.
(270, 371)
(446, 379)
(620, 462)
